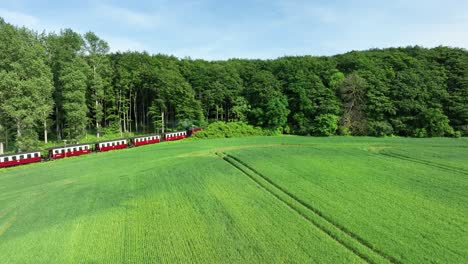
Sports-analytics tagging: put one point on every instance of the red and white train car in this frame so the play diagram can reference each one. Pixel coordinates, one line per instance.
(144, 140)
(194, 130)
(8, 160)
(111, 145)
(69, 151)
(175, 135)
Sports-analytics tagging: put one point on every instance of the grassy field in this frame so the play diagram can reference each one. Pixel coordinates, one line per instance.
(263, 199)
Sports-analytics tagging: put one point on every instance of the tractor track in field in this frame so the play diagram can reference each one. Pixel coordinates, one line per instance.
(425, 162)
(338, 233)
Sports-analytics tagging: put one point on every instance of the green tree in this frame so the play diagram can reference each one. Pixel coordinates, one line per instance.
(269, 105)
(73, 79)
(62, 50)
(96, 50)
(25, 83)
(352, 92)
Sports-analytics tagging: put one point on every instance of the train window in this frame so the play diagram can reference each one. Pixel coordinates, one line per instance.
(22, 157)
(29, 156)
(74, 149)
(123, 141)
(6, 158)
(36, 155)
(13, 158)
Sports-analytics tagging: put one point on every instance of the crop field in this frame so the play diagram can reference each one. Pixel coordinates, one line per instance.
(281, 199)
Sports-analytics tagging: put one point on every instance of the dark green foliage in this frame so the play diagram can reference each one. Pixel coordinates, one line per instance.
(73, 81)
(410, 91)
(25, 86)
(230, 130)
(325, 125)
(269, 105)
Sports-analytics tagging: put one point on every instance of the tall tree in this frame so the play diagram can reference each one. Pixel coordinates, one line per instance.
(352, 92)
(63, 50)
(269, 105)
(96, 50)
(25, 83)
(73, 77)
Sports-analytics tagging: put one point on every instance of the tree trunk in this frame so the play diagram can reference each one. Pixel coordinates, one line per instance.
(162, 122)
(97, 121)
(18, 131)
(18, 128)
(135, 114)
(124, 122)
(57, 125)
(119, 115)
(1, 148)
(6, 138)
(129, 112)
(45, 131)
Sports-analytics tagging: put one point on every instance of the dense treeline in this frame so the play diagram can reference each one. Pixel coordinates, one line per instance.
(63, 85)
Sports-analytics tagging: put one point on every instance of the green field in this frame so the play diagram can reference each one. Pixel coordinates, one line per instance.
(262, 199)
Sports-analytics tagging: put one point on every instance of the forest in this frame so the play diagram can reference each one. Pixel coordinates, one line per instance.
(56, 86)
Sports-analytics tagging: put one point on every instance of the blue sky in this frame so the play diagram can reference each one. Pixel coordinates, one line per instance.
(213, 30)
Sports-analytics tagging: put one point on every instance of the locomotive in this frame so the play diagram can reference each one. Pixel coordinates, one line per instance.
(8, 160)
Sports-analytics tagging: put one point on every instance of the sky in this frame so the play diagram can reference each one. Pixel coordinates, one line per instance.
(255, 29)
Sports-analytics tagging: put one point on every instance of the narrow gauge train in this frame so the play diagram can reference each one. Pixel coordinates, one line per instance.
(8, 160)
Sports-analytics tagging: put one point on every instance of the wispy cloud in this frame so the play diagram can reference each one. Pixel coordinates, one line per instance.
(129, 17)
(19, 19)
(124, 44)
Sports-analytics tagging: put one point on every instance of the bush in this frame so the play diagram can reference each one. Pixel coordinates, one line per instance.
(325, 125)
(233, 129)
(380, 128)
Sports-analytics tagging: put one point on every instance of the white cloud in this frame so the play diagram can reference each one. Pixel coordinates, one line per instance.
(129, 17)
(124, 44)
(19, 19)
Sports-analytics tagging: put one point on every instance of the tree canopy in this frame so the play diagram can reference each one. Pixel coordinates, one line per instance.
(63, 85)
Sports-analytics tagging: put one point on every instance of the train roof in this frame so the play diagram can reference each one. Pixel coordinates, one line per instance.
(152, 135)
(19, 153)
(111, 140)
(179, 131)
(72, 145)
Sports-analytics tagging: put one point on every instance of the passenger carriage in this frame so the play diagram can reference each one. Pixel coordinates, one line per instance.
(111, 145)
(8, 160)
(69, 151)
(175, 135)
(144, 140)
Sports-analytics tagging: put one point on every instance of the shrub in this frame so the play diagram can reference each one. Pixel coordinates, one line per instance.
(233, 129)
(380, 128)
(325, 125)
